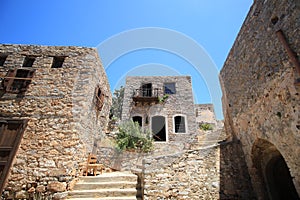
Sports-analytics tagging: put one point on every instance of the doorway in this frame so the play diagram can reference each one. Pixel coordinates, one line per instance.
(11, 132)
(158, 127)
(272, 172)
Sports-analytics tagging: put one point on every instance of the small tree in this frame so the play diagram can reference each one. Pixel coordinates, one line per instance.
(131, 136)
(117, 103)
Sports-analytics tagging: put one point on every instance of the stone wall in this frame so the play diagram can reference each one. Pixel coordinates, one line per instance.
(213, 172)
(205, 114)
(60, 105)
(181, 103)
(260, 96)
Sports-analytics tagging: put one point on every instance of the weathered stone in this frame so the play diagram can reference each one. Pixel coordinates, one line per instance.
(57, 186)
(260, 84)
(40, 189)
(60, 132)
(21, 194)
(60, 196)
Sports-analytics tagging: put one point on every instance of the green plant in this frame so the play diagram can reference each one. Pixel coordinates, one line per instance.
(163, 98)
(206, 127)
(131, 136)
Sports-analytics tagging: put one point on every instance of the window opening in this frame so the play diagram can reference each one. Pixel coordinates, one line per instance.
(99, 99)
(147, 90)
(17, 80)
(138, 119)
(179, 122)
(28, 61)
(169, 88)
(58, 61)
(2, 59)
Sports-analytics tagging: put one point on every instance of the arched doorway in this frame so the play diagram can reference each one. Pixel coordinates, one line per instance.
(273, 172)
(158, 126)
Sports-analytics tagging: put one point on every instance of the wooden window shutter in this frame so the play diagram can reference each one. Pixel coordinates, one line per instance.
(8, 78)
(19, 80)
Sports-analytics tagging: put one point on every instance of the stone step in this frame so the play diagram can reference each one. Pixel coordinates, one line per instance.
(110, 177)
(104, 185)
(101, 193)
(106, 198)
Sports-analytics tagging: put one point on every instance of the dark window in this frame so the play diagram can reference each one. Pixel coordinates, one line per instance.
(99, 99)
(169, 88)
(58, 61)
(17, 80)
(138, 119)
(146, 90)
(2, 59)
(179, 123)
(28, 61)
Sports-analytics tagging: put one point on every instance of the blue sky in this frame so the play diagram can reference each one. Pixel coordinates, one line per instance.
(213, 25)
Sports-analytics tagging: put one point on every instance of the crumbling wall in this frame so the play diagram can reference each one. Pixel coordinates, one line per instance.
(259, 81)
(61, 108)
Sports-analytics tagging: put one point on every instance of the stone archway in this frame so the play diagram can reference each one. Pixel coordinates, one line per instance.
(272, 172)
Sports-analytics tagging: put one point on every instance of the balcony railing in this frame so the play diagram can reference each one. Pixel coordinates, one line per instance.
(146, 95)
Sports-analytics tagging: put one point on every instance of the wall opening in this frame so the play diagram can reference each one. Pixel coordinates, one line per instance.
(28, 61)
(179, 124)
(273, 172)
(158, 126)
(99, 98)
(58, 61)
(169, 88)
(147, 90)
(138, 119)
(11, 132)
(2, 59)
(17, 80)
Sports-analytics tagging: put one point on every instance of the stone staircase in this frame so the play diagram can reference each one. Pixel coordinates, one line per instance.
(107, 186)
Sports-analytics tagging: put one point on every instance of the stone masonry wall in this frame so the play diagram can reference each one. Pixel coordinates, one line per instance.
(181, 103)
(260, 97)
(63, 119)
(205, 114)
(212, 172)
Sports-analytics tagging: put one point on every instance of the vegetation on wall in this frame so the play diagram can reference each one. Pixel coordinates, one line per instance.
(163, 98)
(206, 127)
(131, 137)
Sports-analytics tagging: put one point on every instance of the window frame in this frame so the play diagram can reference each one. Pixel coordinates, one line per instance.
(185, 124)
(9, 81)
(171, 92)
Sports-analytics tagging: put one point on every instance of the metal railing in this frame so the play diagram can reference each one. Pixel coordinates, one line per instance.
(146, 92)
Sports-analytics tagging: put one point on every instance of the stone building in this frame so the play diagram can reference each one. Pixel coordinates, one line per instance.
(162, 104)
(260, 83)
(205, 114)
(54, 102)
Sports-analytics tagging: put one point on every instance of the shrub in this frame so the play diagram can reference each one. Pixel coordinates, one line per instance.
(206, 127)
(131, 136)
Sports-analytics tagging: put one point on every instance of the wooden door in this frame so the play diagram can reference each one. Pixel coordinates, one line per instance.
(11, 132)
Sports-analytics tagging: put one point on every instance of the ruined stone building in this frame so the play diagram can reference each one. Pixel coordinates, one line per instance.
(261, 103)
(54, 102)
(162, 104)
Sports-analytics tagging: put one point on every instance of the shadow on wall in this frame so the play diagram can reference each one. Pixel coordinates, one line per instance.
(235, 181)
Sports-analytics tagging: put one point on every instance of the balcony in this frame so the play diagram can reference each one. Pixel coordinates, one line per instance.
(146, 95)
